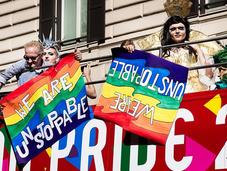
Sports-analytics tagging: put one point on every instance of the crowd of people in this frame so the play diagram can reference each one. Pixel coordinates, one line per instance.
(175, 30)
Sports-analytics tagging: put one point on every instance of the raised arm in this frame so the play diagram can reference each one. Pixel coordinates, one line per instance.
(77, 54)
(202, 60)
(128, 45)
(12, 71)
(90, 89)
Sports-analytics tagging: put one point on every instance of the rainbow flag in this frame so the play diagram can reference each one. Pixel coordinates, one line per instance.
(142, 93)
(45, 109)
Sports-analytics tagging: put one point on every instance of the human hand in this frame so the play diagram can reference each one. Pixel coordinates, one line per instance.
(77, 54)
(129, 48)
(128, 45)
(87, 71)
(90, 88)
(195, 47)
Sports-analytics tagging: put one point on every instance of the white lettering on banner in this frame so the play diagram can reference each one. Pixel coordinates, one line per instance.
(96, 150)
(54, 87)
(222, 115)
(124, 103)
(221, 159)
(65, 84)
(84, 107)
(12, 160)
(46, 133)
(2, 143)
(144, 79)
(175, 140)
(47, 97)
(56, 153)
(118, 131)
(134, 158)
(24, 152)
(73, 107)
(56, 121)
(24, 107)
(27, 166)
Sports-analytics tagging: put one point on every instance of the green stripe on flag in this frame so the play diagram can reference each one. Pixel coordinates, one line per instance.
(15, 129)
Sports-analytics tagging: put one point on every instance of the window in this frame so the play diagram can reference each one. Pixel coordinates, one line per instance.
(194, 9)
(201, 7)
(215, 3)
(73, 19)
(74, 22)
(47, 18)
(209, 6)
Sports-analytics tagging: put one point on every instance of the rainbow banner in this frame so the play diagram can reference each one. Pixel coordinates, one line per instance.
(197, 142)
(45, 109)
(142, 93)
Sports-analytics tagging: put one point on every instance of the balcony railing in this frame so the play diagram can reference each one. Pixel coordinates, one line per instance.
(109, 57)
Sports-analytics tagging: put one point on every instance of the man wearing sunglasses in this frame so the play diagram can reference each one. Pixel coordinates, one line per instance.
(37, 55)
(24, 70)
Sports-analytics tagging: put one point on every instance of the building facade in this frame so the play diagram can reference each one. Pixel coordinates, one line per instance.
(94, 26)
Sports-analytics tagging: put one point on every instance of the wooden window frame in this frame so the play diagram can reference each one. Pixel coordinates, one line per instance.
(95, 19)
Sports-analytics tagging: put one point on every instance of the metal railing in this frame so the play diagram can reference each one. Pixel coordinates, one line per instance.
(109, 57)
(218, 38)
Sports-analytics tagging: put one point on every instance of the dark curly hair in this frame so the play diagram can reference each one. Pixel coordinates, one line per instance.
(166, 37)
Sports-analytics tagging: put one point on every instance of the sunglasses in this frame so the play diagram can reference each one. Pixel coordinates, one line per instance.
(175, 28)
(48, 53)
(33, 58)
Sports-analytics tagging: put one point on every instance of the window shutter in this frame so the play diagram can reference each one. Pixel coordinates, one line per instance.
(194, 9)
(47, 18)
(96, 21)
